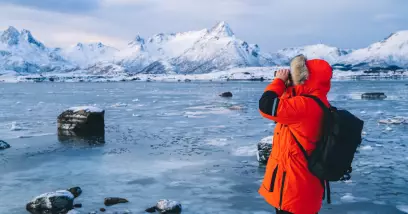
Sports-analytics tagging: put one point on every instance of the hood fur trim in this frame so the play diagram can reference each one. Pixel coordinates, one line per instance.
(299, 70)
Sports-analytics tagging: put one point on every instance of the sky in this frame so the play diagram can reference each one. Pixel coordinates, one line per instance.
(272, 24)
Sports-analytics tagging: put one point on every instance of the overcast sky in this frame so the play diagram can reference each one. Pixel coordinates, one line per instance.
(273, 24)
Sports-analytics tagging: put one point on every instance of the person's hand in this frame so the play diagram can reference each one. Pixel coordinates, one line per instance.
(283, 74)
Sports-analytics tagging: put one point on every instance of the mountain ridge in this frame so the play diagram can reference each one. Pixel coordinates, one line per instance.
(191, 52)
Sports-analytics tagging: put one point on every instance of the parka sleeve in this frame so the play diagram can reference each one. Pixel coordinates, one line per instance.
(285, 111)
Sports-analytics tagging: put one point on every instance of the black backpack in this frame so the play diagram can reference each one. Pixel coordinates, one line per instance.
(334, 153)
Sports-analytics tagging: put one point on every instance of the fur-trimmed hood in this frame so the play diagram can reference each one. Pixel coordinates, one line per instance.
(311, 76)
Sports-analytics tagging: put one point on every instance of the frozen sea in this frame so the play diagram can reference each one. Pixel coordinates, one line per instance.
(181, 141)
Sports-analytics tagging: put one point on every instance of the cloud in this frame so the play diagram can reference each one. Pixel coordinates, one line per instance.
(65, 6)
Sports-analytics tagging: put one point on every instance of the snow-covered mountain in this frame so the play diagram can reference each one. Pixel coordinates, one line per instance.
(89, 54)
(214, 49)
(322, 51)
(192, 52)
(21, 52)
(391, 51)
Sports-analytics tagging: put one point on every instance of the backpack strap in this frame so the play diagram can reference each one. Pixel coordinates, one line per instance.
(300, 145)
(321, 104)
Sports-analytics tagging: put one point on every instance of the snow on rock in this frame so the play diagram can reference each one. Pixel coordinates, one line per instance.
(52, 202)
(82, 120)
(264, 149)
(87, 109)
(4, 145)
(166, 206)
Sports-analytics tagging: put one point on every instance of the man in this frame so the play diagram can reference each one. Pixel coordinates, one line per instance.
(288, 185)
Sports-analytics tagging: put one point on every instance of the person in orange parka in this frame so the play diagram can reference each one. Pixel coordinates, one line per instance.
(288, 185)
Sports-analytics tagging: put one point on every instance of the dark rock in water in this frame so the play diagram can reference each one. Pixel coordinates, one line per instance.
(226, 94)
(4, 145)
(102, 209)
(76, 191)
(113, 200)
(264, 149)
(166, 206)
(151, 209)
(53, 202)
(82, 121)
(373, 96)
(77, 205)
(247, 73)
(187, 80)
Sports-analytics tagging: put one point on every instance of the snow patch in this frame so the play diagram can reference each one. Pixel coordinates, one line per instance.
(87, 109)
(403, 208)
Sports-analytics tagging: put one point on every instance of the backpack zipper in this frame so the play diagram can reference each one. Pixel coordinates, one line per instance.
(281, 192)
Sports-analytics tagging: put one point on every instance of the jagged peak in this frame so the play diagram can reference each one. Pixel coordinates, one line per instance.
(10, 36)
(139, 40)
(12, 30)
(222, 29)
(26, 34)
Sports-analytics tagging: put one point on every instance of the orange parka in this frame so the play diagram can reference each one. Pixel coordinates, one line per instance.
(288, 184)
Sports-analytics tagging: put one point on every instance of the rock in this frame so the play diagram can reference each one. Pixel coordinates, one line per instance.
(102, 209)
(77, 205)
(76, 191)
(395, 120)
(373, 96)
(168, 207)
(60, 201)
(226, 94)
(82, 121)
(4, 145)
(264, 149)
(113, 200)
(187, 80)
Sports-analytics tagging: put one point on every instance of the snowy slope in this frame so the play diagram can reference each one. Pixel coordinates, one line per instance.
(22, 53)
(329, 53)
(218, 49)
(393, 50)
(164, 46)
(89, 54)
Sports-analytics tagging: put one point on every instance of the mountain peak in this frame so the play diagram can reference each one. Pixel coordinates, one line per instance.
(26, 34)
(138, 43)
(10, 36)
(222, 29)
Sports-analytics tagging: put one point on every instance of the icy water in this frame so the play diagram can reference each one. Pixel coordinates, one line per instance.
(181, 141)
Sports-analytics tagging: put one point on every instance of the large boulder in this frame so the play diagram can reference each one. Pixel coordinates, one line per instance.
(373, 96)
(4, 145)
(166, 206)
(82, 121)
(264, 149)
(57, 202)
